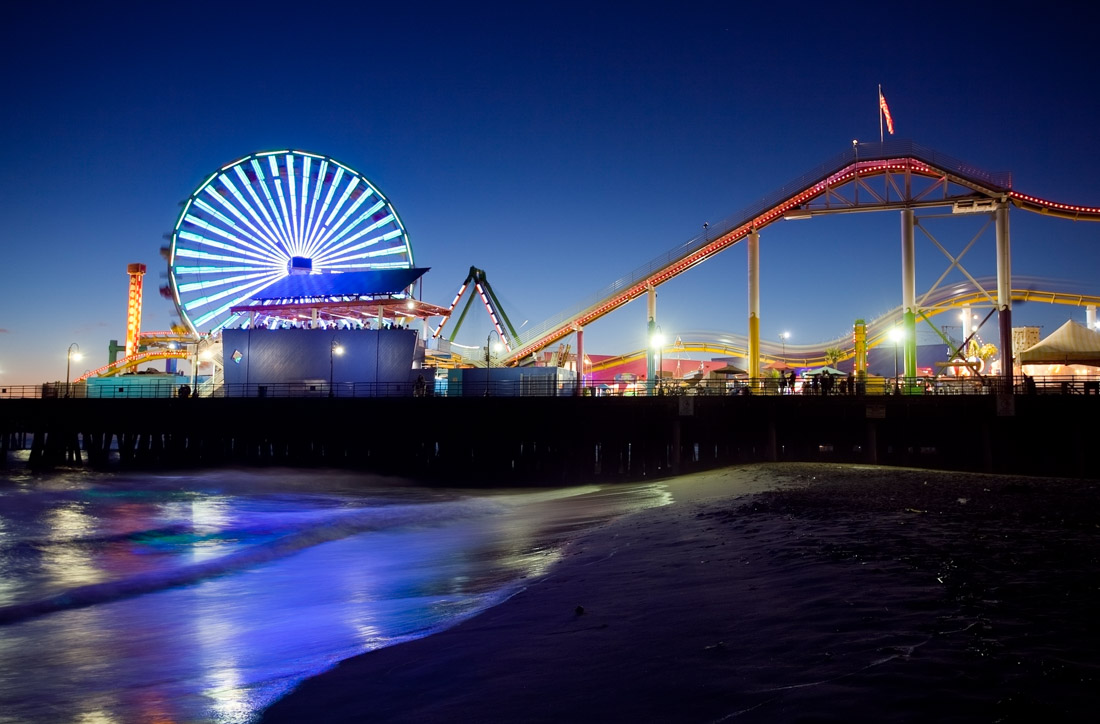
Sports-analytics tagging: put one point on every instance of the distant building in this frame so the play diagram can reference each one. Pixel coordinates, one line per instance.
(1023, 338)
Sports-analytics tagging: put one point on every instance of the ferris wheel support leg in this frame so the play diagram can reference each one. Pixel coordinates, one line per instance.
(1004, 294)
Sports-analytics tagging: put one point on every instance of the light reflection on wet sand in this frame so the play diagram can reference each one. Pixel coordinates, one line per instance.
(228, 644)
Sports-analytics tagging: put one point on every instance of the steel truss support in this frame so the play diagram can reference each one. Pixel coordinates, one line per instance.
(909, 293)
(1004, 293)
(651, 333)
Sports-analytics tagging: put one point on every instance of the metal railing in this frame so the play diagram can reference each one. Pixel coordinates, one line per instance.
(549, 387)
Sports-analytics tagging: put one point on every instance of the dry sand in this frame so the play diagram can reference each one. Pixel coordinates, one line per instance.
(845, 594)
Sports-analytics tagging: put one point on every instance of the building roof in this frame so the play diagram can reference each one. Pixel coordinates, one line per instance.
(374, 283)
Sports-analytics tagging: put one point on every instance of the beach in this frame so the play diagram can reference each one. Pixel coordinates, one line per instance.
(776, 593)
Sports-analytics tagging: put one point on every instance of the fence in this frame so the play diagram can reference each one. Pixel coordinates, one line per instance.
(768, 386)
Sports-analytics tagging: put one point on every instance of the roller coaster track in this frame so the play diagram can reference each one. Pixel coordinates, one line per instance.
(891, 175)
(152, 346)
(813, 355)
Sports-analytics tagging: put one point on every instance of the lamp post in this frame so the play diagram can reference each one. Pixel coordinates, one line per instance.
(783, 337)
(69, 357)
(489, 346)
(334, 349)
(896, 335)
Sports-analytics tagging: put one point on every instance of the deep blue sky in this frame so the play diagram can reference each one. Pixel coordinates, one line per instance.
(557, 146)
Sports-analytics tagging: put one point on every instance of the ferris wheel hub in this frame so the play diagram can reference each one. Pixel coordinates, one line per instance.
(300, 265)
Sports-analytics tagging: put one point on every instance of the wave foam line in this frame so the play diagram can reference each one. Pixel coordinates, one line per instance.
(353, 523)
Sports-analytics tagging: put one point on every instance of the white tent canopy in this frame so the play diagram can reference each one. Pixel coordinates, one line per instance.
(1070, 344)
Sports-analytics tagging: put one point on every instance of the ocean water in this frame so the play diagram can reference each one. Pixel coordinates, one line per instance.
(205, 597)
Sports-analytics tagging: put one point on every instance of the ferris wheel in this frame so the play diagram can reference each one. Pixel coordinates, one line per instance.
(271, 214)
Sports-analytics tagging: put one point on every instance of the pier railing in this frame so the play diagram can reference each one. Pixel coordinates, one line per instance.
(768, 386)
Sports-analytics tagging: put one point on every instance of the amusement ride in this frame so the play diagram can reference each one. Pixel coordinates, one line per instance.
(277, 214)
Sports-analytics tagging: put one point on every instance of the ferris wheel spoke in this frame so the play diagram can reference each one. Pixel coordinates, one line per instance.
(280, 212)
(271, 240)
(265, 228)
(252, 233)
(292, 217)
(284, 220)
(310, 228)
(251, 182)
(211, 283)
(358, 197)
(237, 253)
(300, 226)
(235, 295)
(383, 221)
(340, 202)
(332, 186)
(332, 238)
(269, 209)
(341, 252)
(237, 243)
(339, 261)
(183, 270)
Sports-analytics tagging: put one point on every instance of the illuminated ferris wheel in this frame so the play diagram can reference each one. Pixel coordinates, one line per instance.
(269, 215)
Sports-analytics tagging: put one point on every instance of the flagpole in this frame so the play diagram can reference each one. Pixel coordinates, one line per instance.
(880, 138)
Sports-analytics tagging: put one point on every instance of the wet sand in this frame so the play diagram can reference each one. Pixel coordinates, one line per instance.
(777, 593)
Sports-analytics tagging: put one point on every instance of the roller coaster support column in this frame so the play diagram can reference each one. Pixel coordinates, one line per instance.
(909, 293)
(1004, 294)
(859, 340)
(754, 305)
(1090, 316)
(651, 329)
(580, 360)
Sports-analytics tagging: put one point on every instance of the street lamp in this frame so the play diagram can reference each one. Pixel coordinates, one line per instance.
(658, 341)
(489, 346)
(69, 357)
(334, 350)
(783, 337)
(896, 335)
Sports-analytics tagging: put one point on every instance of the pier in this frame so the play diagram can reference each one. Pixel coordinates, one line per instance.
(554, 440)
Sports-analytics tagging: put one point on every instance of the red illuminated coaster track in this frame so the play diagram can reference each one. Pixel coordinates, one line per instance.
(868, 177)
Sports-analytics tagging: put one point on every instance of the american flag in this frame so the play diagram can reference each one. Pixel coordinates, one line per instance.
(885, 110)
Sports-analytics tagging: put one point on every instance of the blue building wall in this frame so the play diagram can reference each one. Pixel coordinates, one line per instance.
(274, 356)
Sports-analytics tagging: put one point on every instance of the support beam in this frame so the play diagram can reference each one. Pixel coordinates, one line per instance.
(580, 360)
(1004, 293)
(859, 340)
(909, 292)
(754, 304)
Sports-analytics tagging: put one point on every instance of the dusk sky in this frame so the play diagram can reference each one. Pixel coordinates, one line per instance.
(556, 145)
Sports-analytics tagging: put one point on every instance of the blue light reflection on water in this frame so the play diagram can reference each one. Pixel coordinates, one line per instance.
(206, 597)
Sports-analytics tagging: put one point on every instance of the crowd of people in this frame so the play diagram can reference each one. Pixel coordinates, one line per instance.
(329, 325)
(822, 383)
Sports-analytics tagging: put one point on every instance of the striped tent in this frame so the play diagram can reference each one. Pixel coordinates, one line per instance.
(1070, 344)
